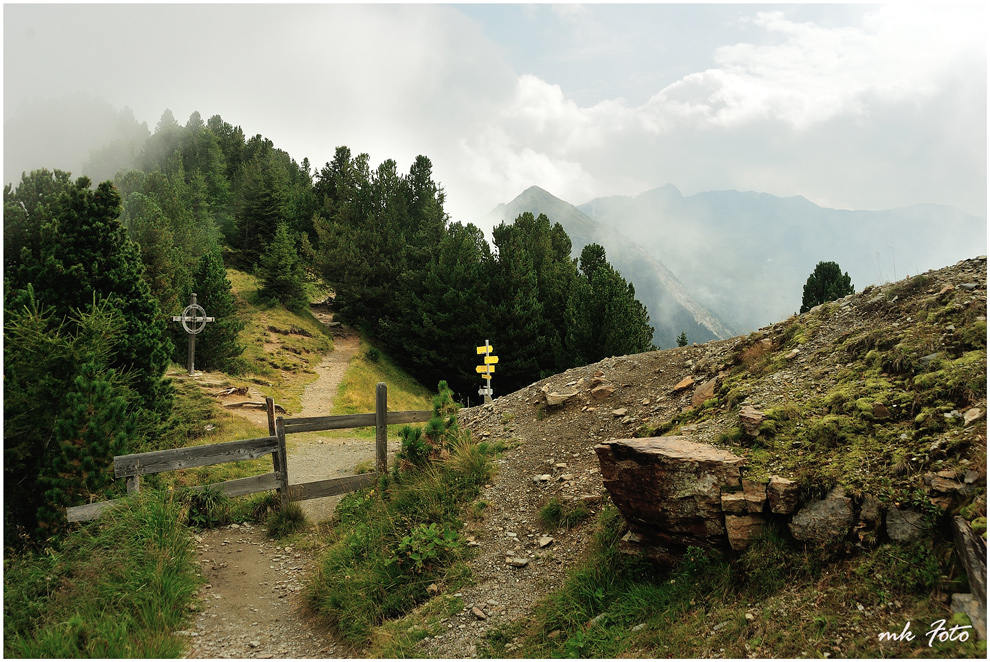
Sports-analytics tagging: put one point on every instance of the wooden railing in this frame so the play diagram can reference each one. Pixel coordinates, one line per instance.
(132, 467)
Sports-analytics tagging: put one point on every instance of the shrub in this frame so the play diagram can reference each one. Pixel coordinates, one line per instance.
(557, 514)
(208, 507)
(286, 520)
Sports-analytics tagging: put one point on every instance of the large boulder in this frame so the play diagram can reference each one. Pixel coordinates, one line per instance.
(669, 489)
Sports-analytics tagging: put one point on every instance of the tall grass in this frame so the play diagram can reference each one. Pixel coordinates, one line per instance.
(118, 588)
(390, 543)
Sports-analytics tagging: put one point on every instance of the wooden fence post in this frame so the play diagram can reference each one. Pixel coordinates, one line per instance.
(133, 485)
(381, 428)
(270, 407)
(283, 468)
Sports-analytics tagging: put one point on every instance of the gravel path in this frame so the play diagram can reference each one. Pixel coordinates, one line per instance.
(251, 606)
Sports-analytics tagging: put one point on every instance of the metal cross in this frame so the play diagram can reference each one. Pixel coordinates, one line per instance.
(195, 314)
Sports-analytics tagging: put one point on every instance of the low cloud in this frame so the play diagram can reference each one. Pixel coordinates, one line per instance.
(885, 111)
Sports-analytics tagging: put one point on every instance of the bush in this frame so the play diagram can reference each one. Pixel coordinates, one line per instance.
(388, 544)
(208, 508)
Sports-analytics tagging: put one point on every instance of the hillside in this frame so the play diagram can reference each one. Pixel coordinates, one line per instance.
(917, 346)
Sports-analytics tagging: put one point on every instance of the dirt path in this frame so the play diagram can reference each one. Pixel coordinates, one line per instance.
(251, 605)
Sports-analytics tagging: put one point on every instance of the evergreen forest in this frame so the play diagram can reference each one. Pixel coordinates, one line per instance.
(93, 272)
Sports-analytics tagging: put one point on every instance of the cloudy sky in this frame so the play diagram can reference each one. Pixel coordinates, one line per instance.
(851, 106)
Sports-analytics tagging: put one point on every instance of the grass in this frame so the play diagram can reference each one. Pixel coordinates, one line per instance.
(566, 515)
(388, 545)
(117, 588)
(836, 434)
(774, 600)
(281, 347)
(356, 394)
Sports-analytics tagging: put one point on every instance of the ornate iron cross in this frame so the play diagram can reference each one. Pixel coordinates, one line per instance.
(193, 320)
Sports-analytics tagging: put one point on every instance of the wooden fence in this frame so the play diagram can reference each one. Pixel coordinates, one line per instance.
(132, 467)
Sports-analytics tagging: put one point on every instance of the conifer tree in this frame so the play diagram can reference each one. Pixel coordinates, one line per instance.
(81, 255)
(826, 283)
(96, 423)
(604, 316)
(216, 344)
(281, 273)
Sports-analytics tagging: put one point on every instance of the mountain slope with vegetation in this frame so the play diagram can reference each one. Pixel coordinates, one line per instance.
(918, 346)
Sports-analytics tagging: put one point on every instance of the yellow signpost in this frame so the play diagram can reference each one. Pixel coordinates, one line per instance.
(486, 370)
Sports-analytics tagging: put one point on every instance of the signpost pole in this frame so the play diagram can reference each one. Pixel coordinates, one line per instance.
(488, 382)
(486, 371)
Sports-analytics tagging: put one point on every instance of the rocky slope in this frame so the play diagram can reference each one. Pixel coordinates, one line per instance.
(874, 393)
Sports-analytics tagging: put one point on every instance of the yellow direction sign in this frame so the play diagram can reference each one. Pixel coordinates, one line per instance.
(486, 376)
(484, 368)
(491, 359)
(484, 349)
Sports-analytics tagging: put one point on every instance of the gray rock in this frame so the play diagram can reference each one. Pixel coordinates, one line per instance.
(870, 513)
(822, 520)
(904, 526)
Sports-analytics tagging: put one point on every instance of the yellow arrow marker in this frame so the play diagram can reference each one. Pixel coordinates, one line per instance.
(491, 359)
(486, 376)
(484, 368)
(485, 349)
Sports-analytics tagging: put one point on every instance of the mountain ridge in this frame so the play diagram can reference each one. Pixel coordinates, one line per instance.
(738, 260)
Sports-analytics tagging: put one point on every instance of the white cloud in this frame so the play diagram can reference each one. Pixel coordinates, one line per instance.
(884, 111)
(839, 114)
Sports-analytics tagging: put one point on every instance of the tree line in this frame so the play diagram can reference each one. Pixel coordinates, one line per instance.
(93, 274)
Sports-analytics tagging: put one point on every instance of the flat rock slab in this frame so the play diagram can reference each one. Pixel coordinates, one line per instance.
(669, 489)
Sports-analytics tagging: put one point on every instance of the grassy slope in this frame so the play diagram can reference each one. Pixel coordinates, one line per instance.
(281, 350)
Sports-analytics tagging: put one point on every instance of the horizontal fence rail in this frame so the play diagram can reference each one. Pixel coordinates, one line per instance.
(133, 466)
(141, 464)
(345, 421)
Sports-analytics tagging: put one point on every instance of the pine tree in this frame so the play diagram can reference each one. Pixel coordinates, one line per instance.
(604, 316)
(52, 366)
(165, 268)
(826, 283)
(443, 315)
(281, 273)
(96, 424)
(81, 255)
(216, 344)
(682, 340)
